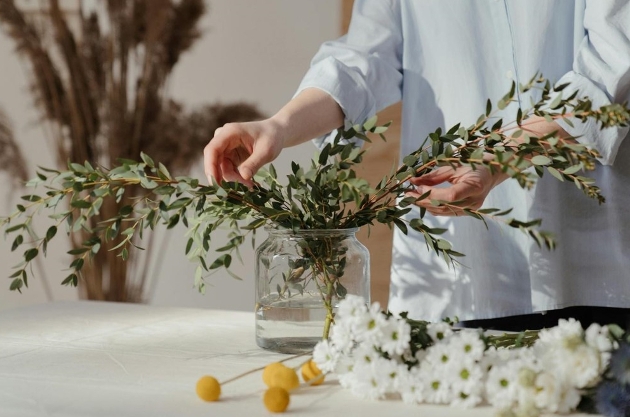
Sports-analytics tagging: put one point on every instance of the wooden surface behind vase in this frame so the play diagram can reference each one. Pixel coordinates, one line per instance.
(378, 162)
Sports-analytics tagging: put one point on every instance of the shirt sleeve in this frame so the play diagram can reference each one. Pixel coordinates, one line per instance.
(361, 70)
(601, 72)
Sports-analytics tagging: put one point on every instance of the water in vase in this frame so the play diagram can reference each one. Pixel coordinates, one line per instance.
(290, 325)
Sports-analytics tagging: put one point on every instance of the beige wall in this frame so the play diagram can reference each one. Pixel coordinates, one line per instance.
(252, 50)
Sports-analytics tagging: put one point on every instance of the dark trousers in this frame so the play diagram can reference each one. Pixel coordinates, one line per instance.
(585, 315)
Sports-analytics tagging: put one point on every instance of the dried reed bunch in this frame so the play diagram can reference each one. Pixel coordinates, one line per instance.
(99, 79)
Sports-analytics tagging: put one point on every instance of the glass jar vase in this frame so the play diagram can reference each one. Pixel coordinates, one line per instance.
(300, 278)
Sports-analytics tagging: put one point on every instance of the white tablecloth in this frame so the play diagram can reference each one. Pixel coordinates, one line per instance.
(106, 359)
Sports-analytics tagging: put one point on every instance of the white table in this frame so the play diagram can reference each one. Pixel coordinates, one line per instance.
(107, 359)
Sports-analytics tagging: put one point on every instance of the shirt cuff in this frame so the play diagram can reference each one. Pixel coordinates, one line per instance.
(348, 89)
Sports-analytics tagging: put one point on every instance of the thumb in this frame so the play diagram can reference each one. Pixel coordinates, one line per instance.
(251, 165)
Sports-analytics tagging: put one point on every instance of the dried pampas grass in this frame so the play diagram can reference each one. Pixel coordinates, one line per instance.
(99, 83)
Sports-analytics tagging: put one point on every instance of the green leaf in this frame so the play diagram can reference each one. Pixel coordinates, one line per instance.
(81, 204)
(51, 232)
(370, 123)
(17, 242)
(33, 198)
(555, 173)
(71, 280)
(341, 290)
(147, 159)
(78, 251)
(16, 285)
(541, 160)
(30, 254)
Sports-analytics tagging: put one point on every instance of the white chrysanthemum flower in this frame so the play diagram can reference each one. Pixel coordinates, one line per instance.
(467, 384)
(554, 396)
(568, 334)
(583, 366)
(396, 336)
(341, 337)
(502, 384)
(548, 390)
(598, 337)
(347, 380)
(410, 385)
(344, 365)
(437, 389)
(440, 355)
(569, 399)
(351, 307)
(439, 331)
(364, 354)
(368, 329)
(325, 356)
(373, 380)
(468, 343)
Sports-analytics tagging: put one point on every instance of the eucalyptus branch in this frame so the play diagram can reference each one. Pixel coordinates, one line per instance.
(326, 195)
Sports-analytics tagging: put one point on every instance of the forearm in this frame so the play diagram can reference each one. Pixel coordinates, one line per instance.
(309, 115)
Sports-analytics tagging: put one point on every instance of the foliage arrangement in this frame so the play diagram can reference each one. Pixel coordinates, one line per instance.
(99, 79)
(555, 370)
(327, 195)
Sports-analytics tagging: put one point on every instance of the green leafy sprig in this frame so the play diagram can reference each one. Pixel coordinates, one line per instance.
(326, 195)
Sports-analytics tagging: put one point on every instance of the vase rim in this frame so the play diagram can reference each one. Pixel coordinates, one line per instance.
(273, 229)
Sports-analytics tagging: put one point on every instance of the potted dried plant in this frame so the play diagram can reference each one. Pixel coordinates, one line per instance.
(99, 80)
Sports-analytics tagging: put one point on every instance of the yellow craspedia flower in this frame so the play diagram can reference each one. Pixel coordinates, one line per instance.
(276, 399)
(311, 371)
(208, 388)
(271, 370)
(285, 378)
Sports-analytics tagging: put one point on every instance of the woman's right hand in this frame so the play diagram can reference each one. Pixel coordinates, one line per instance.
(238, 150)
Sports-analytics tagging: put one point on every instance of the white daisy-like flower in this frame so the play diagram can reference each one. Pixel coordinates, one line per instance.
(341, 337)
(548, 390)
(569, 399)
(468, 343)
(437, 389)
(599, 337)
(410, 385)
(368, 329)
(583, 366)
(568, 334)
(325, 356)
(441, 355)
(439, 331)
(502, 384)
(466, 383)
(396, 336)
(351, 307)
(364, 354)
(344, 365)
(373, 380)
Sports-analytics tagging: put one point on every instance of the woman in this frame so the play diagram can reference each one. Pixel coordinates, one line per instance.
(443, 59)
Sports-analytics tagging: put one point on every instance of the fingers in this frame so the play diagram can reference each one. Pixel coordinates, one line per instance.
(455, 192)
(438, 176)
(446, 209)
(212, 156)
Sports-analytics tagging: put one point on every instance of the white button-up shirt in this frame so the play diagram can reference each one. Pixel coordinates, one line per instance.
(443, 59)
